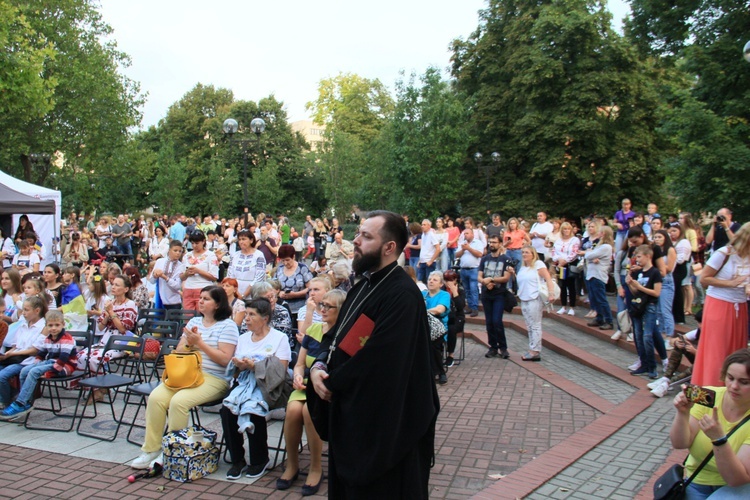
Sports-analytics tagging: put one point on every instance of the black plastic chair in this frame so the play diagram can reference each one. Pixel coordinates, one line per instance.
(181, 316)
(132, 346)
(144, 389)
(148, 313)
(53, 386)
(161, 329)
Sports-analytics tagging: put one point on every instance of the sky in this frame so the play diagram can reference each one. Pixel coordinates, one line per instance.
(283, 47)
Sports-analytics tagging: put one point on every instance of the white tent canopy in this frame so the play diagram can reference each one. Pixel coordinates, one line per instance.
(47, 227)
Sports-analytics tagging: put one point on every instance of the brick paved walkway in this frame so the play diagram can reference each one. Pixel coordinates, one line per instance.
(575, 425)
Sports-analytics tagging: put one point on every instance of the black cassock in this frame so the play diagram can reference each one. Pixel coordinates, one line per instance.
(384, 406)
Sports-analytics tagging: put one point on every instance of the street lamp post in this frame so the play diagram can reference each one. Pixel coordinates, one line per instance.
(230, 127)
(488, 169)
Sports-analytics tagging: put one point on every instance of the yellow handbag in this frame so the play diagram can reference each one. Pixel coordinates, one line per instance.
(182, 370)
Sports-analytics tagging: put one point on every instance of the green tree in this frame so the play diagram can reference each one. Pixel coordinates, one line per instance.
(167, 188)
(86, 118)
(567, 103)
(352, 104)
(708, 119)
(24, 92)
(419, 157)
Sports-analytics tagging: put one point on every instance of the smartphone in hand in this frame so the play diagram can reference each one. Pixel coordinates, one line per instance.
(700, 395)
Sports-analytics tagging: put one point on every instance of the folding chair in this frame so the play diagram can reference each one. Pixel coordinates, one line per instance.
(182, 316)
(148, 313)
(108, 380)
(161, 330)
(144, 389)
(52, 386)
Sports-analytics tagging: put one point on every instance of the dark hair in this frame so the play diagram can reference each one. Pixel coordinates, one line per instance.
(451, 275)
(249, 235)
(127, 283)
(286, 252)
(741, 357)
(196, 236)
(636, 232)
(134, 275)
(218, 295)
(667, 239)
(175, 243)
(56, 269)
(75, 236)
(393, 228)
(262, 305)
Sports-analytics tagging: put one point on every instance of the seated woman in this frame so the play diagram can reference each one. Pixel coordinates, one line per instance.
(703, 430)
(281, 319)
(117, 318)
(260, 342)
(457, 316)
(214, 335)
(438, 303)
(297, 413)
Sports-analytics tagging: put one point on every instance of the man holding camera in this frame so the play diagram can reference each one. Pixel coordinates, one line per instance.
(721, 230)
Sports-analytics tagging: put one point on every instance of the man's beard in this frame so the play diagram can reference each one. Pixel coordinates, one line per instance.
(365, 262)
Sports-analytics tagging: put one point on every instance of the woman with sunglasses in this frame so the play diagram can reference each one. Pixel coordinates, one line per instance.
(297, 414)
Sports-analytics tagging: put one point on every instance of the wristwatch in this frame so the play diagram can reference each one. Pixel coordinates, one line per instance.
(722, 440)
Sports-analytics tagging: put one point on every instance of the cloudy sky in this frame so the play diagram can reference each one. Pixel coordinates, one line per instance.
(283, 47)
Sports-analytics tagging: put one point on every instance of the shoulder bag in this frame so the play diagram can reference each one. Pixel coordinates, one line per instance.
(437, 328)
(672, 484)
(182, 370)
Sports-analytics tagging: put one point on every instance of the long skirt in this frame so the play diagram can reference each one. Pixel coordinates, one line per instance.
(723, 331)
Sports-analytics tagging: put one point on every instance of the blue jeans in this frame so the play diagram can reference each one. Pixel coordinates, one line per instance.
(598, 299)
(493, 315)
(451, 255)
(414, 263)
(423, 271)
(124, 248)
(6, 374)
(665, 318)
(515, 255)
(469, 280)
(646, 337)
(29, 377)
(699, 491)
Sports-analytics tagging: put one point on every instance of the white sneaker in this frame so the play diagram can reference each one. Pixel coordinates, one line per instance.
(668, 346)
(660, 391)
(561, 310)
(145, 459)
(571, 312)
(656, 383)
(635, 366)
(616, 335)
(630, 338)
(664, 364)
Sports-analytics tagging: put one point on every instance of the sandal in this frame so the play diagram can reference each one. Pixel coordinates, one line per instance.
(531, 357)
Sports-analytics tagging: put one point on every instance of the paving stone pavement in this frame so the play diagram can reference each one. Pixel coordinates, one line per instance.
(498, 416)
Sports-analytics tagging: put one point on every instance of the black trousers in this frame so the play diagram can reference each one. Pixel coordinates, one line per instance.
(257, 441)
(678, 308)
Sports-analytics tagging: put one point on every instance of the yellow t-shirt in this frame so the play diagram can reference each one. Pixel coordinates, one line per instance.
(702, 444)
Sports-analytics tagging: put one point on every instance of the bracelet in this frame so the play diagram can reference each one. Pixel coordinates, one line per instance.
(318, 365)
(722, 440)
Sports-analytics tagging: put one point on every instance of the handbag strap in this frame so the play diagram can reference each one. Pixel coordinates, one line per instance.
(711, 454)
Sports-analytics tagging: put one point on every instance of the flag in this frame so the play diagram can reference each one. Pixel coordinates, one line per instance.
(74, 309)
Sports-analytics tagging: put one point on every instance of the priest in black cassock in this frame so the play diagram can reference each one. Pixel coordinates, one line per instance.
(374, 369)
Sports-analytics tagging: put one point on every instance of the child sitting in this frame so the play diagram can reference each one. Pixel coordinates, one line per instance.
(55, 358)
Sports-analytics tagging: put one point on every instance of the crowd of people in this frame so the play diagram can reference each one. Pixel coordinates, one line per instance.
(259, 282)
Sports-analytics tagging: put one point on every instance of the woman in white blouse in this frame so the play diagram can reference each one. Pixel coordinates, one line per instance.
(565, 253)
(159, 245)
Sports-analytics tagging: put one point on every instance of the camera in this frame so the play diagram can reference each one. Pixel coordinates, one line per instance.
(720, 218)
(512, 263)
